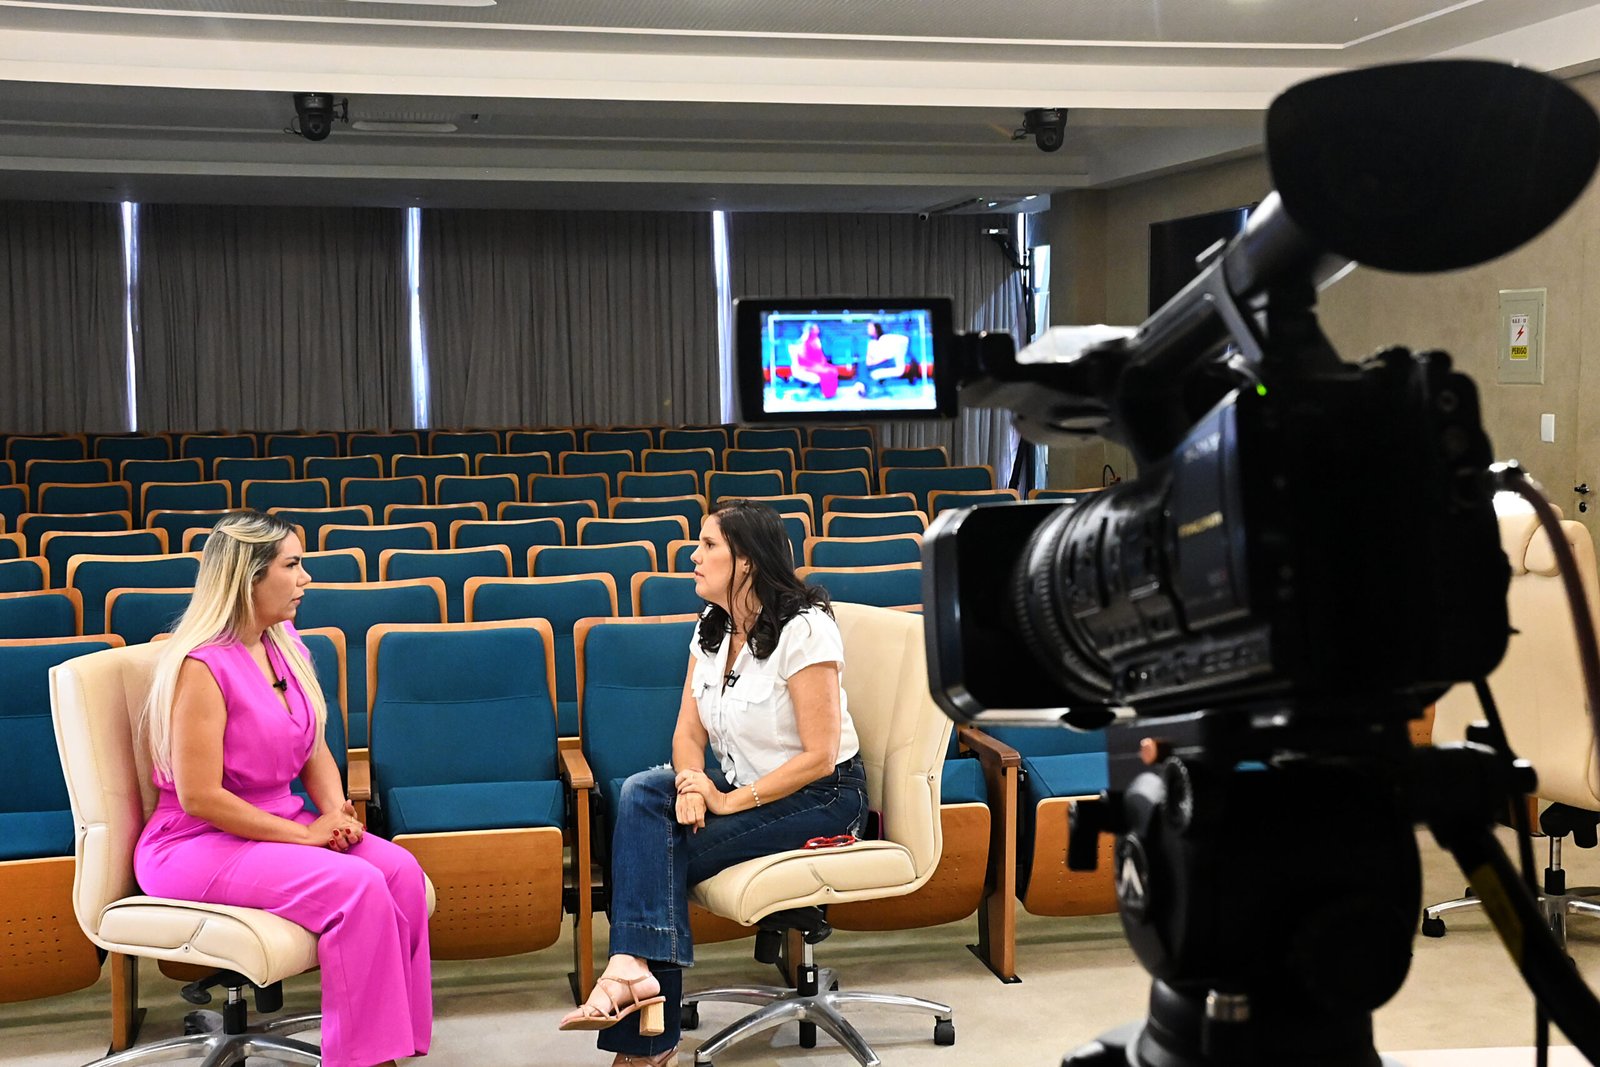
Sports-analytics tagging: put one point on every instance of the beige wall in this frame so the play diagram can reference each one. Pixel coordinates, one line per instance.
(1100, 264)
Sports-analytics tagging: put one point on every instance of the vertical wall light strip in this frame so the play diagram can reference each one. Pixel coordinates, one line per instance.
(719, 257)
(130, 268)
(419, 344)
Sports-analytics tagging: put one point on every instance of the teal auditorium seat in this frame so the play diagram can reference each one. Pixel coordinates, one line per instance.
(13, 505)
(35, 527)
(551, 442)
(658, 531)
(23, 450)
(379, 493)
(66, 498)
(920, 481)
(41, 613)
(429, 468)
(633, 442)
(137, 615)
(843, 437)
(948, 499)
(384, 445)
(469, 777)
(97, 576)
(238, 470)
(12, 546)
(520, 466)
(567, 511)
(45, 953)
(798, 527)
(665, 594)
(892, 586)
(696, 461)
(863, 551)
(372, 540)
(312, 520)
(301, 447)
(762, 459)
(337, 565)
(837, 459)
(208, 448)
(723, 484)
(24, 575)
(64, 472)
(692, 509)
(768, 437)
(337, 468)
(659, 484)
(554, 488)
(518, 535)
(60, 546)
(118, 448)
(353, 609)
(930, 456)
(288, 493)
(453, 566)
(469, 443)
(175, 524)
(610, 464)
(327, 650)
(439, 516)
(560, 601)
(712, 437)
(490, 490)
(848, 524)
(184, 496)
(819, 485)
(869, 504)
(621, 561)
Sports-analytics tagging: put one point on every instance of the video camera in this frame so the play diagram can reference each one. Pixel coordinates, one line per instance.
(1309, 557)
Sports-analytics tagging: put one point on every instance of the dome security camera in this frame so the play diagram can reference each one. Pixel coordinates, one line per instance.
(316, 112)
(1047, 125)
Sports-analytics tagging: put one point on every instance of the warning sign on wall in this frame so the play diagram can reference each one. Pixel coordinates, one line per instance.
(1519, 337)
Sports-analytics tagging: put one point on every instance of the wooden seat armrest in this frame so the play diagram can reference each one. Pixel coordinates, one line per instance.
(575, 769)
(989, 751)
(358, 768)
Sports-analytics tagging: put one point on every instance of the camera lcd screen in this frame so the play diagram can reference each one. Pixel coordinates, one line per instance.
(818, 359)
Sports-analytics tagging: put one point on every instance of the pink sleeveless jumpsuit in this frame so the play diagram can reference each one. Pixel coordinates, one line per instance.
(368, 906)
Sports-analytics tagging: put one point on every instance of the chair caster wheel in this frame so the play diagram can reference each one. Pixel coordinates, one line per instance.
(944, 1032)
(1432, 926)
(689, 1017)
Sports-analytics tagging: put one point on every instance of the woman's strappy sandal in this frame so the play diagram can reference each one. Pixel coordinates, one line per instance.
(652, 1011)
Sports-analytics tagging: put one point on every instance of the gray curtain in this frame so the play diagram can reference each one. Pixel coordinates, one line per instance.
(62, 330)
(894, 255)
(559, 318)
(272, 318)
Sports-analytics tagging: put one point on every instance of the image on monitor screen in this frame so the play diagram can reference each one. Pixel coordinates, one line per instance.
(848, 360)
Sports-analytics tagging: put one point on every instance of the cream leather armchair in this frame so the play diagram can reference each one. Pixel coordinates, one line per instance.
(1539, 691)
(95, 701)
(903, 738)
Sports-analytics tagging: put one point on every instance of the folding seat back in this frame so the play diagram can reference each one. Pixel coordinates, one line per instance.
(137, 615)
(863, 551)
(551, 442)
(920, 481)
(657, 531)
(347, 565)
(818, 485)
(385, 445)
(665, 594)
(520, 465)
(679, 556)
(469, 443)
(764, 437)
(184, 496)
(208, 448)
(945, 499)
(696, 461)
(35, 527)
(23, 450)
(140, 472)
(328, 660)
(177, 524)
(568, 512)
(95, 576)
(13, 546)
(13, 505)
(621, 561)
(560, 601)
(744, 484)
(894, 585)
(372, 540)
(70, 498)
(453, 566)
(673, 483)
(843, 437)
(118, 448)
(439, 516)
(239, 471)
(24, 575)
(868, 504)
(633, 442)
(692, 509)
(845, 524)
(490, 490)
(59, 546)
(610, 464)
(299, 447)
(337, 468)
(42, 613)
(923, 456)
(429, 468)
(837, 459)
(312, 520)
(39, 472)
(379, 493)
(559, 488)
(353, 608)
(678, 438)
(518, 535)
(762, 459)
(287, 493)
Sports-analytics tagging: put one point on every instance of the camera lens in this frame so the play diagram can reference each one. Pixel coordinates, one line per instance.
(1058, 568)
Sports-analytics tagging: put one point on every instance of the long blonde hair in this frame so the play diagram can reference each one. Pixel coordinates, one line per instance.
(238, 552)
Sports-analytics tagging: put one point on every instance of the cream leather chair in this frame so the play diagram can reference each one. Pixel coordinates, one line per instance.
(903, 740)
(1539, 690)
(95, 700)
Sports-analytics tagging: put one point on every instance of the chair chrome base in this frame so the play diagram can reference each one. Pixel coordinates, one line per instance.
(218, 1049)
(778, 1005)
(1554, 906)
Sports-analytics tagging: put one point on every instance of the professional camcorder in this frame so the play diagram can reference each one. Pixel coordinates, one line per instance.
(1309, 557)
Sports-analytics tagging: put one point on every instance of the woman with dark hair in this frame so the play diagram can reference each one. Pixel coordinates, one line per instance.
(764, 689)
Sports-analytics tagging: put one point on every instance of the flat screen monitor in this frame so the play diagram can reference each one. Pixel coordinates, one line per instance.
(1175, 243)
(820, 359)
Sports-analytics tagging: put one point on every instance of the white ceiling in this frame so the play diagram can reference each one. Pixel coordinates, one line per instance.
(809, 104)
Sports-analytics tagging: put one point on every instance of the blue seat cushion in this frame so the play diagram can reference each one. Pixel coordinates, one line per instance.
(963, 782)
(31, 835)
(1071, 775)
(433, 809)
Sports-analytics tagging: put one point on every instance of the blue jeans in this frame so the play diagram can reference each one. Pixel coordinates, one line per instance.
(654, 860)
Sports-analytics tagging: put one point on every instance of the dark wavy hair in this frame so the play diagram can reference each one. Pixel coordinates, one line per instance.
(754, 532)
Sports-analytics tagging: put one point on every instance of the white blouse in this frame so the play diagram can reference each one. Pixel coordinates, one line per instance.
(751, 723)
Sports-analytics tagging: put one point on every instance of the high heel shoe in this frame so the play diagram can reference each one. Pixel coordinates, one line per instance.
(652, 1010)
(669, 1058)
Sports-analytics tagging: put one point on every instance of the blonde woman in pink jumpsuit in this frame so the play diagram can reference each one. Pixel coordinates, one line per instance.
(234, 715)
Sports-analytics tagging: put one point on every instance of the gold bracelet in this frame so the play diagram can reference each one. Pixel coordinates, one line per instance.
(755, 794)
